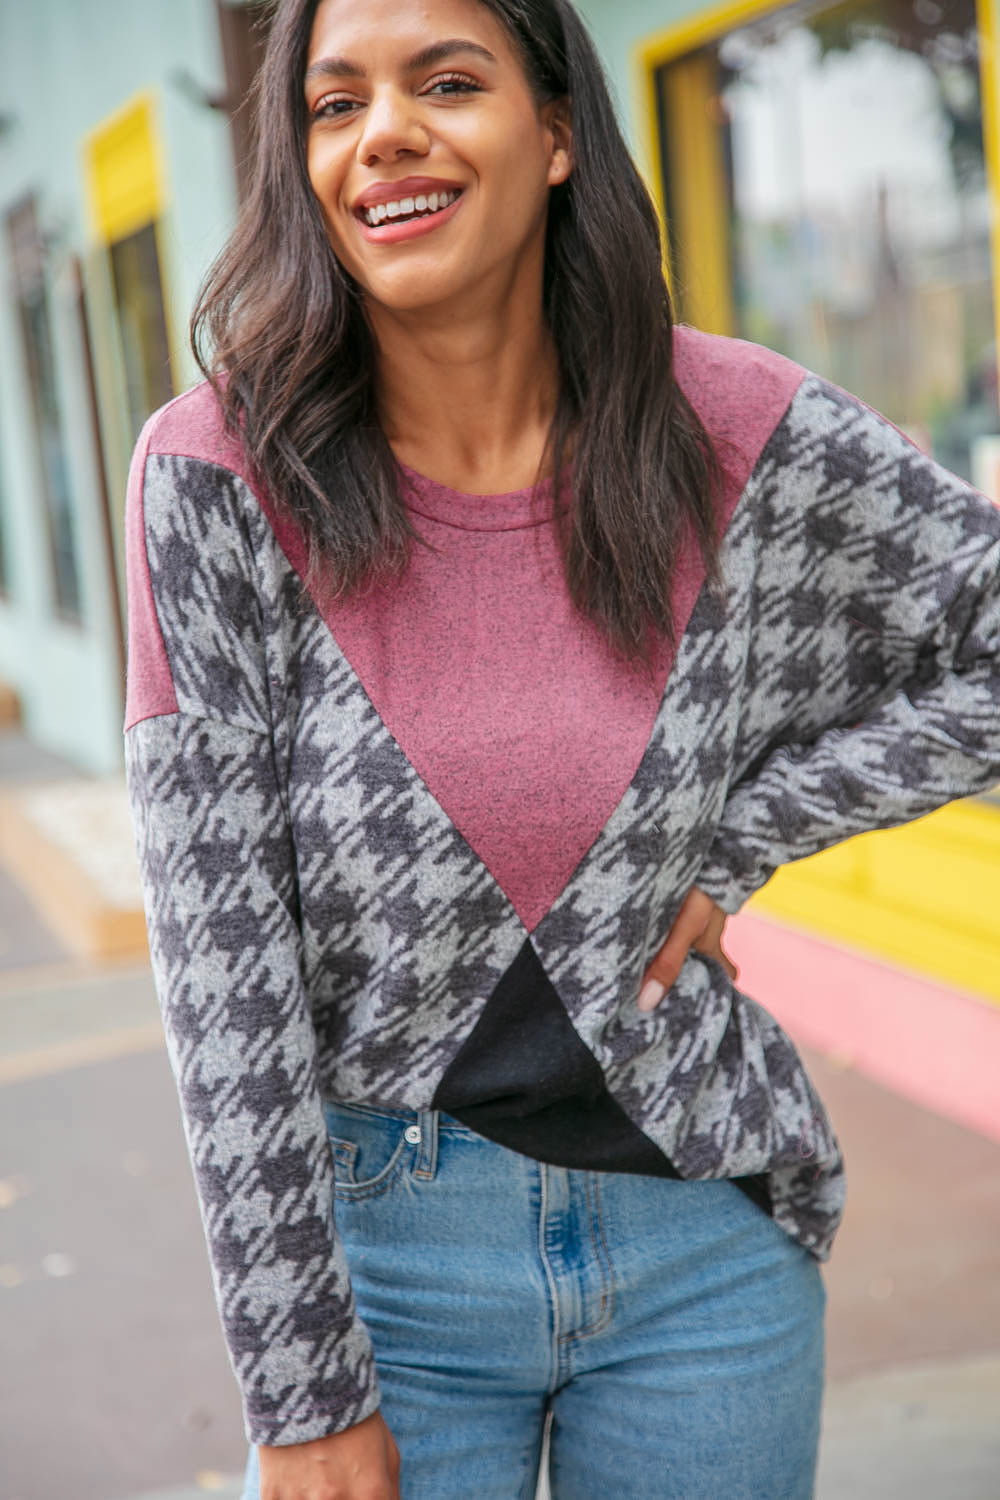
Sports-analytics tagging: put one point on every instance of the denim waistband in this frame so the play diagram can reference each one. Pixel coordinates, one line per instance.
(430, 1123)
(408, 1116)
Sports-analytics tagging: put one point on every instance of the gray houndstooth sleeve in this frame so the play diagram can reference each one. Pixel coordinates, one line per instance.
(218, 872)
(872, 686)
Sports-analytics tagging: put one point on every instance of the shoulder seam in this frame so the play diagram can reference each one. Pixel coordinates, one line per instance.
(193, 717)
(148, 662)
(156, 417)
(155, 713)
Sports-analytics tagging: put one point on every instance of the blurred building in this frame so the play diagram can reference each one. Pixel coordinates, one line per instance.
(828, 174)
(121, 154)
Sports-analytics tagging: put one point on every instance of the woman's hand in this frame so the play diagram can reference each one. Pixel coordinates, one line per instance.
(360, 1463)
(699, 924)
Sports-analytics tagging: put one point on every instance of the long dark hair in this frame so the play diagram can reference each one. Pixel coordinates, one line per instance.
(643, 469)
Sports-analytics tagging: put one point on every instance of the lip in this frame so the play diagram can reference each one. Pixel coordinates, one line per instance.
(406, 187)
(391, 233)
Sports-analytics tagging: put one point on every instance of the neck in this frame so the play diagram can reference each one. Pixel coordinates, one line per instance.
(467, 395)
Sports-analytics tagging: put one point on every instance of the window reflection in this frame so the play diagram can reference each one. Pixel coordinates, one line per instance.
(857, 206)
(30, 290)
(142, 323)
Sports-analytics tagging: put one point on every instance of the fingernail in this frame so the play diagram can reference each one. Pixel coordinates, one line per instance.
(651, 994)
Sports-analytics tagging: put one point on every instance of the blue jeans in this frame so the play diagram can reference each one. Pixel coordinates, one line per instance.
(674, 1332)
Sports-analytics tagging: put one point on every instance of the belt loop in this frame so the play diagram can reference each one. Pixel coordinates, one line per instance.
(426, 1166)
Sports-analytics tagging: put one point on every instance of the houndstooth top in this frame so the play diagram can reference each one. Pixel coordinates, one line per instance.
(415, 849)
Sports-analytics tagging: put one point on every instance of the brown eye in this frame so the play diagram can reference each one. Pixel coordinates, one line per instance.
(330, 106)
(454, 83)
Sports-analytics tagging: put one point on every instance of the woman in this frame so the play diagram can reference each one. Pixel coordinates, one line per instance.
(491, 641)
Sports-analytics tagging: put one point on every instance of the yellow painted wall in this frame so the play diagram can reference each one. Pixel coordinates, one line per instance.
(698, 193)
(925, 896)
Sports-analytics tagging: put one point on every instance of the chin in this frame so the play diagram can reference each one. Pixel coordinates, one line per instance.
(411, 291)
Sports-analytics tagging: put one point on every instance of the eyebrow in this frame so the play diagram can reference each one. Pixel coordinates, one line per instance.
(342, 67)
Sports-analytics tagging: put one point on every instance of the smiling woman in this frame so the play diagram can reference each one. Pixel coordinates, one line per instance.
(491, 641)
(556, 239)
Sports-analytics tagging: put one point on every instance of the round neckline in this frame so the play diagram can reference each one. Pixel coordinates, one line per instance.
(511, 510)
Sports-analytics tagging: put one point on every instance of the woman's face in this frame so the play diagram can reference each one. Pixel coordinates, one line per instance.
(428, 152)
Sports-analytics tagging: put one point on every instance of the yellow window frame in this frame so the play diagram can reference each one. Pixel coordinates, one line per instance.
(124, 171)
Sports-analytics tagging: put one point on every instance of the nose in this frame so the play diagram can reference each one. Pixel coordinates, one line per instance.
(392, 128)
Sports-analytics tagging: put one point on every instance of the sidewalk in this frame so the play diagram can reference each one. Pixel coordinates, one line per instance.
(913, 1401)
(67, 841)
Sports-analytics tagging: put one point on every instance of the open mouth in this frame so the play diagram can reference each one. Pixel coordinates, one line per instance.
(404, 210)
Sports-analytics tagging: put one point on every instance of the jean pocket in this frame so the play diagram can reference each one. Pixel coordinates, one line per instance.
(370, 1150)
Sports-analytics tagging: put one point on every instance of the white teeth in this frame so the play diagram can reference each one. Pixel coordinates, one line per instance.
(377, 213)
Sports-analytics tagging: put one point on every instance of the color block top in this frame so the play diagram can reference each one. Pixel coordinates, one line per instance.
(415, 849)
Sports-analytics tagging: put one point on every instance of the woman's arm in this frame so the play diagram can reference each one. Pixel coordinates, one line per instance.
(218, 871)
(872, 690)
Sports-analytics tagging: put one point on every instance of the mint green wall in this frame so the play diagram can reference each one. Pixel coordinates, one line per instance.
(65, 66)
(617, 26)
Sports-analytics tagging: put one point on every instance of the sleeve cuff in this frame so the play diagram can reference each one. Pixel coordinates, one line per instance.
(264, 1430)
(730, 891)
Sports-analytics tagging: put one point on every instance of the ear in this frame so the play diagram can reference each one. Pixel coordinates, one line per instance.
(559, 118)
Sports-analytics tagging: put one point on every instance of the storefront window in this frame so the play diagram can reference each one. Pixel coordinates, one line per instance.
(111, 524)
(33, 309)
(851, 206)
(138, 291)
(4, 569)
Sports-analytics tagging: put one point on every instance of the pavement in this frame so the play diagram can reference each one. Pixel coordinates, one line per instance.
(114, 1380)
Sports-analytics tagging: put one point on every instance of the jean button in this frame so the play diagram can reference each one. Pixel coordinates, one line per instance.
(411, 1135)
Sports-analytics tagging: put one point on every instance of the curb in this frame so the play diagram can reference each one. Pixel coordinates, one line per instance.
(69, 845)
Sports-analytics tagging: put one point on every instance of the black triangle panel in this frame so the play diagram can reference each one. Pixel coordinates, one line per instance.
(524, 1079)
